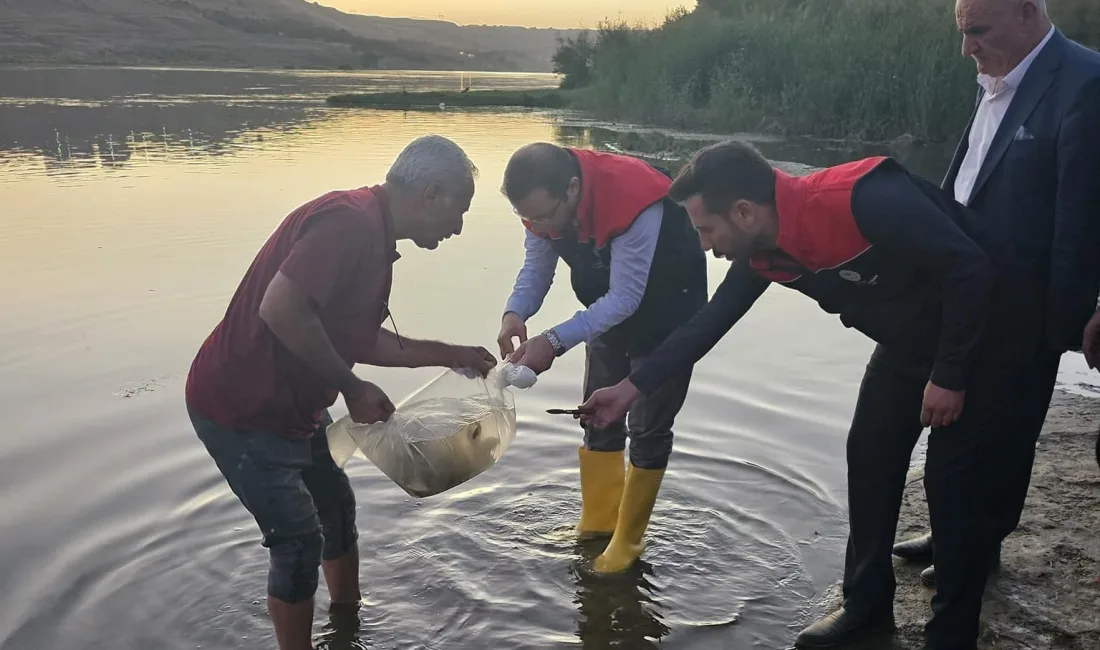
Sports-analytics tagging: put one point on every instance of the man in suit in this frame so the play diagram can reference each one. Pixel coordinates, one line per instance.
(1029, 162)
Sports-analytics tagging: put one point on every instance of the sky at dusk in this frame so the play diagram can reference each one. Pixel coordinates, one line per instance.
(530, 13)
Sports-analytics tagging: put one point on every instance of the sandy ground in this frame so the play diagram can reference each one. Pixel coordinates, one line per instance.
(1047, 593)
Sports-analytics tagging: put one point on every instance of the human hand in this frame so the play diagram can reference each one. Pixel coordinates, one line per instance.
(941, 407)
(367, 403)
(536, 353)
(475, 358)
(511, 326)
(1090, 345)
(608, 405)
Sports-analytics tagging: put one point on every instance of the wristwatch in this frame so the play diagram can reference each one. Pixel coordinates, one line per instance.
(555, 342)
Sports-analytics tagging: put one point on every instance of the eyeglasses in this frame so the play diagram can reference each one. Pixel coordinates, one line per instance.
(542, 218)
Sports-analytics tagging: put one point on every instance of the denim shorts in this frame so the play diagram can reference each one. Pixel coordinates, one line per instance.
(291, 486)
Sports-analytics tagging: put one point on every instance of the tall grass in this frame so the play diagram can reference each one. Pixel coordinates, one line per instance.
(867, 69)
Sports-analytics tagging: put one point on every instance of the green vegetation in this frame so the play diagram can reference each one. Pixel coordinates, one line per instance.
(865, 69)
(573, 60)
(407, 100)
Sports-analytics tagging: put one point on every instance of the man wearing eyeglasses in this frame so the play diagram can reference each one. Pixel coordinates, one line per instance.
(637, 268)
(310, 307)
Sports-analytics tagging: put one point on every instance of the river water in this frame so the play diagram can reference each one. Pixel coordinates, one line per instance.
(133, 200)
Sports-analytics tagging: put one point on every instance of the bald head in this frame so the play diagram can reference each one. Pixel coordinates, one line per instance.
(542, 182)
(999, 34)
(539, 165)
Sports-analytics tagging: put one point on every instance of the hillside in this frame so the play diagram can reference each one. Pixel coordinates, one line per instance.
(256, 33)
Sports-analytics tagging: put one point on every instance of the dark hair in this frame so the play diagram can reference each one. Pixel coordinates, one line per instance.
(538, 165)
(724, 173)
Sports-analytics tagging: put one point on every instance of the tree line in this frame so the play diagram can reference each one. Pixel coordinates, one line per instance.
(862, 69)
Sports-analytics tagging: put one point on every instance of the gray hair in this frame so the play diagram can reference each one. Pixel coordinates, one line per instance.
(432, 159)
(1041, 4)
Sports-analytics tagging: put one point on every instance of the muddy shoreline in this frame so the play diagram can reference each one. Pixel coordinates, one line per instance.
(1047, 592)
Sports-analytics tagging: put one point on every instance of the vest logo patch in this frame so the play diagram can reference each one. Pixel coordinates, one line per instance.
(857, 279)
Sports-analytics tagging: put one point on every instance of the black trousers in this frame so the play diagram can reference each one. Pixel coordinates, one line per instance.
(651, 417)
(1030, 398)
(976, 476)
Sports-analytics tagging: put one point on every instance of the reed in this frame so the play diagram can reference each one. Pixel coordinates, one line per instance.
(856, 69)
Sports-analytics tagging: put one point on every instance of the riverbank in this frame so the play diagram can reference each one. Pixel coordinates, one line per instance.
(1047, 593)
(471, 99)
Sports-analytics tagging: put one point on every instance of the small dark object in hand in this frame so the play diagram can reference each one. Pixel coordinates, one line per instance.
(563, 411)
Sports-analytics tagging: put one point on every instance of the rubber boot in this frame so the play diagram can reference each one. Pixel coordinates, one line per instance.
(602, 478)
(628, 542)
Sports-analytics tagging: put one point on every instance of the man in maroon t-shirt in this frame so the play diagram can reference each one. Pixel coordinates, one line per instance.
(309, 308)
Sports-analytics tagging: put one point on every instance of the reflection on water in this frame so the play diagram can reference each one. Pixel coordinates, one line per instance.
(75, 118)
(94, 85)
(622, 611)
(127, 227)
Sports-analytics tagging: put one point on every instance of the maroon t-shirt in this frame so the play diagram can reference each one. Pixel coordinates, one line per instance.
(339, 249)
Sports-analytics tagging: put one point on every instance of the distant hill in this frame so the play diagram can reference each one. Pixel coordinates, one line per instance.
(257, 33)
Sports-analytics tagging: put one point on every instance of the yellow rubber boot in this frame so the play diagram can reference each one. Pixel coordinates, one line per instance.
(602, 477)
(628, 542)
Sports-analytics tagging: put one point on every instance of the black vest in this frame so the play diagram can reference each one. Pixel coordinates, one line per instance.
(675, 291)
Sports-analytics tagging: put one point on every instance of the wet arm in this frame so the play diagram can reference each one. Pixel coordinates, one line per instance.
(391, 352)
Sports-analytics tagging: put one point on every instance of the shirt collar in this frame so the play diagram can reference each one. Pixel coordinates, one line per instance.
(1012, 79)
(383, 197)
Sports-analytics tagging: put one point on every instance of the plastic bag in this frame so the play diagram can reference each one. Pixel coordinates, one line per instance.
(442, 435)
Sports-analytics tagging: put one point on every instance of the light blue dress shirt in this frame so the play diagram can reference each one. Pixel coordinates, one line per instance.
(631, 257)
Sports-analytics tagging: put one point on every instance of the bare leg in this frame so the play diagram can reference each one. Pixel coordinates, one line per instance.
(293, 623)
(342, 578)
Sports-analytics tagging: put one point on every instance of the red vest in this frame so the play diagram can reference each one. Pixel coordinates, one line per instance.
(816, 225)
(615, 189)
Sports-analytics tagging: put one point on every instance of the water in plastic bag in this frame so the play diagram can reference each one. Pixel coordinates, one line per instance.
(447, 432)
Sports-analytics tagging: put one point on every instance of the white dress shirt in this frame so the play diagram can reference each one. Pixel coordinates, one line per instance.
(999, 92)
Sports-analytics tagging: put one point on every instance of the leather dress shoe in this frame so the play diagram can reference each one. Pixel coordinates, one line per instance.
(928, 576)
(919, 548)
(842, 627)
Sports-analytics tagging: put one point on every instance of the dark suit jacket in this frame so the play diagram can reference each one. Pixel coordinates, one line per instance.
(1039, 190)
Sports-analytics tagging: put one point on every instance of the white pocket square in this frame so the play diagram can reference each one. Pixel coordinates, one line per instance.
(1023, 134)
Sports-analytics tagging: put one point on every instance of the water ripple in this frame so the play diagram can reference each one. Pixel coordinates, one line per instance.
(129, 220)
